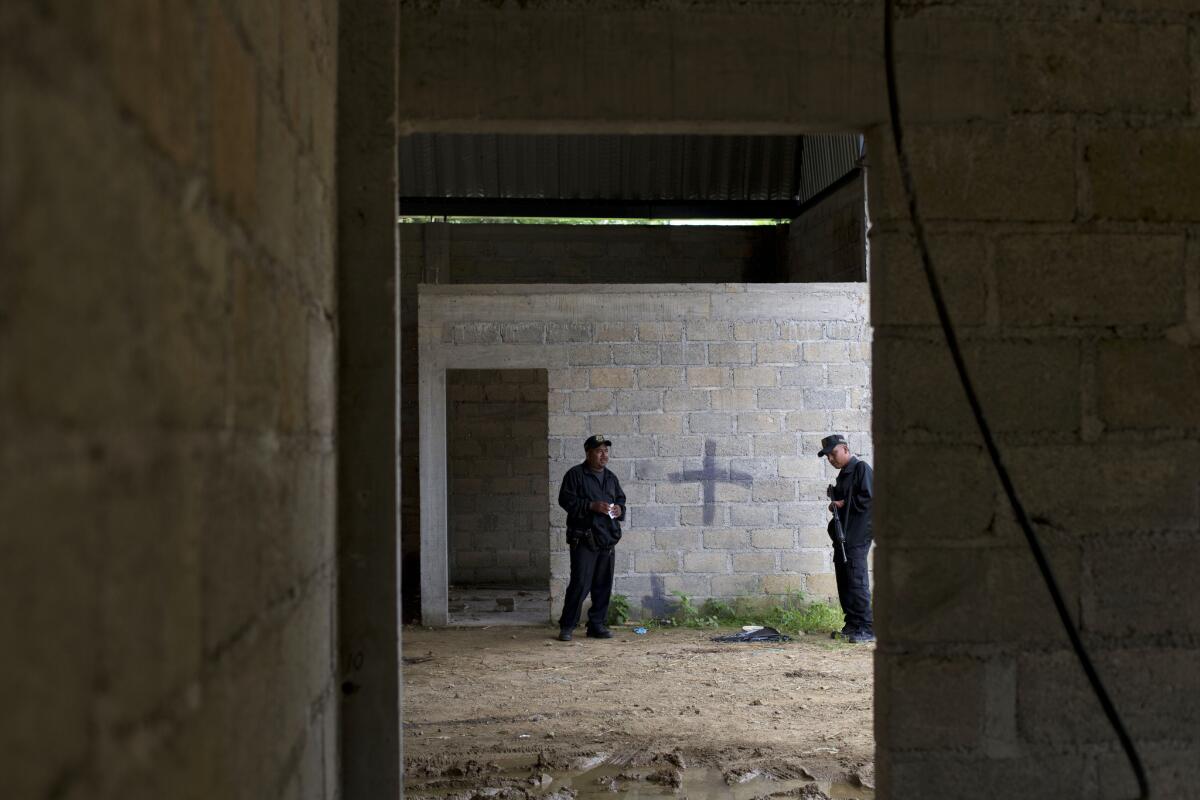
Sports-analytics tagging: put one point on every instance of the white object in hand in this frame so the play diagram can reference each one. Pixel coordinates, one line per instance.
(613, 513)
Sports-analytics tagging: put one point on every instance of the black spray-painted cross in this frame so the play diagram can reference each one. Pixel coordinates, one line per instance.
(709, 477)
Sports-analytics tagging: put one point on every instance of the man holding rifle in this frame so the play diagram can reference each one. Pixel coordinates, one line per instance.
(850, 530)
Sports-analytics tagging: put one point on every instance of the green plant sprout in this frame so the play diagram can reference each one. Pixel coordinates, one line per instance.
(795, 614)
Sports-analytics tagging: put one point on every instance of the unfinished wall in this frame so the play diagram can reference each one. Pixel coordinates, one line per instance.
(715, 397)
(497, 426)
(1054, 143)
(166, 400)
(828, 241)
(613, 254)
(1054, 147)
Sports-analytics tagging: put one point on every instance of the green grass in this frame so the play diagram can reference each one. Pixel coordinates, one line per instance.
(794, 614)
(618, 610)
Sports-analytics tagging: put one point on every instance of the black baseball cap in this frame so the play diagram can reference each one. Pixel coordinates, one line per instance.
(595, 441)
(829, 442)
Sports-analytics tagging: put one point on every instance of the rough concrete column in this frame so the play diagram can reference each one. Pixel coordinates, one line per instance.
(368, 388)
(435, 565)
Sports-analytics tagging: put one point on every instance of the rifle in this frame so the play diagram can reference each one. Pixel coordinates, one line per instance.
(839, 535)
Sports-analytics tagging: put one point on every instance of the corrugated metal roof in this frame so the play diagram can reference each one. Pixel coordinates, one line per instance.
(825, 159)
(618, 167)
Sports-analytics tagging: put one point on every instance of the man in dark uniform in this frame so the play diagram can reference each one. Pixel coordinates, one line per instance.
(595, 504)
(851, 502)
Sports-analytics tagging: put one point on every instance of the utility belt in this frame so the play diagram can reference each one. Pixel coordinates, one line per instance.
(587, 538)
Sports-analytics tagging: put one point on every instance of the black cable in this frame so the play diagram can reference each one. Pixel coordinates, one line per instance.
(985, 431)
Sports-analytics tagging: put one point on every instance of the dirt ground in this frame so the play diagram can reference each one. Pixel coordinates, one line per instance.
(510, 712)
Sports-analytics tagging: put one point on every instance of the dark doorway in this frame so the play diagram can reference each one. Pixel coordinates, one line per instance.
(499, 558)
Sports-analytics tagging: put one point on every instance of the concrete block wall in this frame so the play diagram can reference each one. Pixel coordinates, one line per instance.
(497, 428)
(715, 397)
(509, 254)
(167, 388)
(1053, 145)
(828, 241)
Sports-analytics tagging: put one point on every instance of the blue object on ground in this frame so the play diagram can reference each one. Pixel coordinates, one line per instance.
(639, 631)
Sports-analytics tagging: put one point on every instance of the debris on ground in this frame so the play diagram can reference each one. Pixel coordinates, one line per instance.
(812, 792)
(863, 777)
(754, 634)
(584, 763)
(418, 659)
(667, 777)
(702, 693)
(735, 776)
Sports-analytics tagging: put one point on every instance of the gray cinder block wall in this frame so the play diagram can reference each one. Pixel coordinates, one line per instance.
(828, 241)
(605, 254)
(715, 397)
(1054, 146)
(167, 384)
(496, 424)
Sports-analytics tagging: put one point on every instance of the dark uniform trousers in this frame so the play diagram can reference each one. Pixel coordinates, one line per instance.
(591, 571)
(854, 587)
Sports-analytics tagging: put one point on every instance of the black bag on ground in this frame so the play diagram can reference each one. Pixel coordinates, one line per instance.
(765, 634)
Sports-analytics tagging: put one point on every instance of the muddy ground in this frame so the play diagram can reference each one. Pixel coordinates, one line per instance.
(512, 713)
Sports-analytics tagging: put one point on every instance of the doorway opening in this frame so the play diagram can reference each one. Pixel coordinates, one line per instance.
(715, 358)
(497, 493)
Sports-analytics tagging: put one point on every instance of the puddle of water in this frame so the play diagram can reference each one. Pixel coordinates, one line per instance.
(699, 783)
(595, 779)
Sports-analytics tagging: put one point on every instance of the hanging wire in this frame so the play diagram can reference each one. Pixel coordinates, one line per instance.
(985, 430)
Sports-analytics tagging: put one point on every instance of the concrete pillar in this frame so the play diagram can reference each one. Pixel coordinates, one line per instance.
(368, 393)
(435, 565)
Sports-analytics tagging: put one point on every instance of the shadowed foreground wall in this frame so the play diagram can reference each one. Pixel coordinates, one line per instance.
(1055, 147)
(167, 356)
(167, 396)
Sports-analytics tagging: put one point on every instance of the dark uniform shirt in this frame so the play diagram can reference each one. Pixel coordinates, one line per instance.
(580, 487)
(854, 486)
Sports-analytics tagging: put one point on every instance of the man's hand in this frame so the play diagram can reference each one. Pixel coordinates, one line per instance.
(615, 511)
(838, 503)
(599, 507)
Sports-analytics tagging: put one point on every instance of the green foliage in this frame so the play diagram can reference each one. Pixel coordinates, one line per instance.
(814, 617)
(717, 608)
(685, 612)
(618, 610)
(688, 615)
(794, 615)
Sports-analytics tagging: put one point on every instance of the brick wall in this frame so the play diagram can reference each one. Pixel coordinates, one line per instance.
(828, 241)
(496, 421)
(715, 397)
(166, 400)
